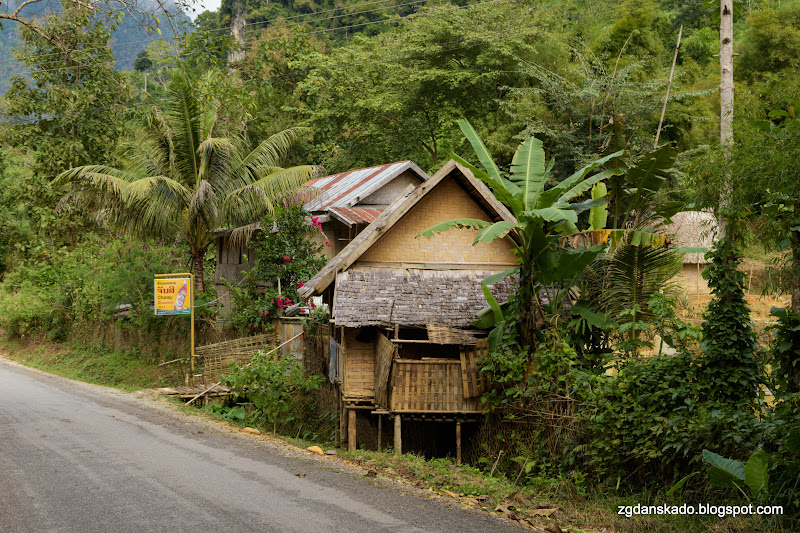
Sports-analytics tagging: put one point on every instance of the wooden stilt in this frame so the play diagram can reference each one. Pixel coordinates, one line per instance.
(458, 442)
(398, 438)
(340, 436)
(351, 430)
(380, 420)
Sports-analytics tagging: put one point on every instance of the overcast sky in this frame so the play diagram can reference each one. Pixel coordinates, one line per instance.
(203, 5)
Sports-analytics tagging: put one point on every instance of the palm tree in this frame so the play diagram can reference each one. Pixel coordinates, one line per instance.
(179, 179)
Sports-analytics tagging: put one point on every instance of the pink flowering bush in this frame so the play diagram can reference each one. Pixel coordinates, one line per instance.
(287, 258)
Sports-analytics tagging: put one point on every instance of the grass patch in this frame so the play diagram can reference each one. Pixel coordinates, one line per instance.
(113, 368)
(570, 503)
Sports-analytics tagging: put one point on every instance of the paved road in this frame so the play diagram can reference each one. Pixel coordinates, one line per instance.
(76, 457)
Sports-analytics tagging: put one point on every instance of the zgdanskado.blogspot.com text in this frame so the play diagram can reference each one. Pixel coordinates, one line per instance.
(699, 509)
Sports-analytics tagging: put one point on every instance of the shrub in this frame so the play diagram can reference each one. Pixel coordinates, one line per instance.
(649, 423)
(276, 387)
(729, 369)
(285, 259)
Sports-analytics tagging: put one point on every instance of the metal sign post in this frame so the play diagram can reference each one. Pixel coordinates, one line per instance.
(174, 295)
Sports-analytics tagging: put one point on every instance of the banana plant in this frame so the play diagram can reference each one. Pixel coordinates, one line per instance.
(543, 212)
(729, 473)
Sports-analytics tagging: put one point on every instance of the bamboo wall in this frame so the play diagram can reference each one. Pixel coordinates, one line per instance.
(447, 201)
(691, 279)
(430, 386)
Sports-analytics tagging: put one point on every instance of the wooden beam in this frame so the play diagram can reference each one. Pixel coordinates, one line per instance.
(398, 437)
(351, 430)
(380, 421)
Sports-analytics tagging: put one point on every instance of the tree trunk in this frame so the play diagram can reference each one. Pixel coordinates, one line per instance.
(794, 378)
(726, 104)
(198, 258)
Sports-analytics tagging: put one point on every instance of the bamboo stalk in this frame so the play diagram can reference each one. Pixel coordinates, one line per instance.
(669, 85)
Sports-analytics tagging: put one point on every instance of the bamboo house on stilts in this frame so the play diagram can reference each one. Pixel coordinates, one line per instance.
(403, 349)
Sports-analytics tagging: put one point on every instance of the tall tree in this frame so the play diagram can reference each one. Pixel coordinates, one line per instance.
(70, 114)
(186, 172)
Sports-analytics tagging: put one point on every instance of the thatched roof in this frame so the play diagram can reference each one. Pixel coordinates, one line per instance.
(368, 296)
(696, 229)
(392, 214)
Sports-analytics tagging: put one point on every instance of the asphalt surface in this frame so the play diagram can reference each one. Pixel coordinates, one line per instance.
(83, 458)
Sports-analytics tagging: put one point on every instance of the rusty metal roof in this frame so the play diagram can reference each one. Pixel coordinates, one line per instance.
(348, 188)
(355, 215)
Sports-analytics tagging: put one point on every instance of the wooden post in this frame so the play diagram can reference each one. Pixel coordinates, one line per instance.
(351, 430)
(339, 438)
(458, 442)
(398, 438)
(380, 420)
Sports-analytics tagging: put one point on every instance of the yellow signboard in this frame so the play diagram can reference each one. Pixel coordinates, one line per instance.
(173, 296)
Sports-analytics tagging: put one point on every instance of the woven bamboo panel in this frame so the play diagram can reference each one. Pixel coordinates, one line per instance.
(384, 354)
(237, 346)
(217, 358)
(441, 334)
(429, 386)
(447, 201)
(473, 382)
(359, 367)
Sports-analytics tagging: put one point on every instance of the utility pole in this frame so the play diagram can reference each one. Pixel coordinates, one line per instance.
(725, 99)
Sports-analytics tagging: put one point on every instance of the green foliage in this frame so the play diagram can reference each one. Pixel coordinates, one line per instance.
(771, 42)
(675, 332)
(729, 369)
(728, 473)
(398, 95)
(275, 386)
(649, 422)
(285, 251)
(542, 213)
(505, 366)
(73, 290)
(786, 351)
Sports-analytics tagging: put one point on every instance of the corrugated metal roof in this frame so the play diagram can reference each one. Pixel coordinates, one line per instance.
(348, 188)
(355, 215)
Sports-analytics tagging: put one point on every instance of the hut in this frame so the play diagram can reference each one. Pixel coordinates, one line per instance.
(402, 344)
(345, 204)
(694, 229)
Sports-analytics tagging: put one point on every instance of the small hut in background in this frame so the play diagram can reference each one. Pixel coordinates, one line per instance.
(695, 229)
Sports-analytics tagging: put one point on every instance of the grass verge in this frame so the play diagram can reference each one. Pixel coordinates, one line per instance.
(113, 368)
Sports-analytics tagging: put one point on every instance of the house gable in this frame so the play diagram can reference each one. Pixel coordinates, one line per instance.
(390, 192)
(482, 199)
(449, 199)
